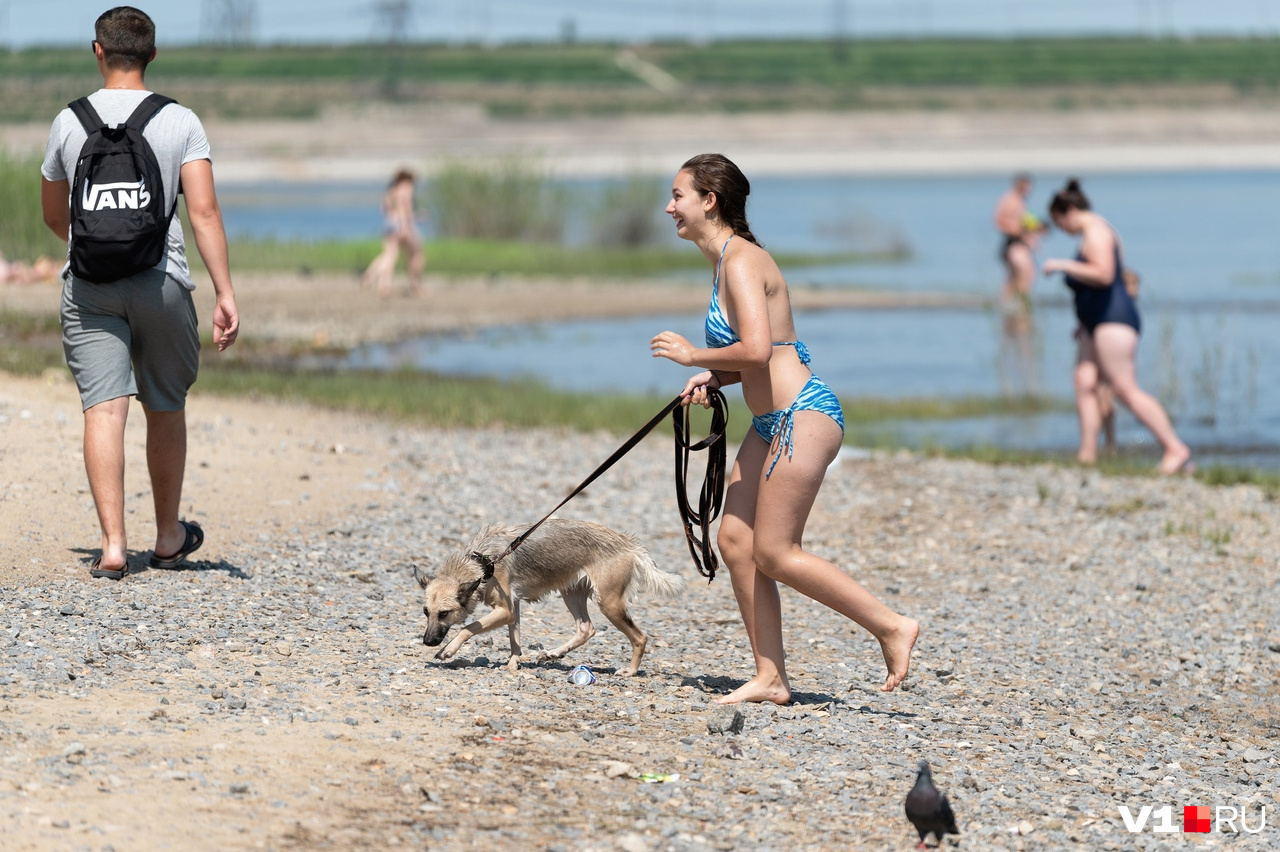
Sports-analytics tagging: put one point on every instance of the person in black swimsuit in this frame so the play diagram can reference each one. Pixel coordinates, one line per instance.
(1109, 327)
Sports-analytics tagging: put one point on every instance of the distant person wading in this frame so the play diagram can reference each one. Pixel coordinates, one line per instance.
(400, 230)
(1107, 337)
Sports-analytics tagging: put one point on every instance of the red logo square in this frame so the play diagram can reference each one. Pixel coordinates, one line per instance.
(1196, 818)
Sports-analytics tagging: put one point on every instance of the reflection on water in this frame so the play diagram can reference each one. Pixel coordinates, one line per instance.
(1018, 358)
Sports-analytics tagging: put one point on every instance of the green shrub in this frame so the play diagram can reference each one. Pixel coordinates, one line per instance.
(23, 235)
(628, 213)
(510, 199)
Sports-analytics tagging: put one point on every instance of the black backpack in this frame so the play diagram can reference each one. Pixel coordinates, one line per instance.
(119, 224)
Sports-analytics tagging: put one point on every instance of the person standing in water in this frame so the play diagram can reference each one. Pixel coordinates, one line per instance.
(1109, 327)
(797, 429)
(400, 230)
(1021, 230)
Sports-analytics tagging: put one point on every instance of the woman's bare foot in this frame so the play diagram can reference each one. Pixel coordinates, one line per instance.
(757, 689)
(1177, 460)
(896, 647)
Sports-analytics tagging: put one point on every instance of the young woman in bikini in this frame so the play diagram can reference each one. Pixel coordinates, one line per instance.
(796, 432)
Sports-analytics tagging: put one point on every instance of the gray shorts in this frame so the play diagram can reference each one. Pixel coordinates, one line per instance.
(134, 337)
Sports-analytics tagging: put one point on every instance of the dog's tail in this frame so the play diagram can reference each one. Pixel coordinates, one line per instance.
(648, 577)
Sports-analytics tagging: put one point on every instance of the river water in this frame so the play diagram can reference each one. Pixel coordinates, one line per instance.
(1210, 302)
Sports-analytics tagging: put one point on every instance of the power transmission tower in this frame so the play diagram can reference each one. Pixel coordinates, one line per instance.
(839, 31)
(228, 21)
(392, 19)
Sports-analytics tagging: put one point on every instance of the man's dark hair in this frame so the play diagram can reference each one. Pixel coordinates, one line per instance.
(127, 36)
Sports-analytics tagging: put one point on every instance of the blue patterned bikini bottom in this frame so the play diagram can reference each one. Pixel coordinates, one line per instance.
(814, 396)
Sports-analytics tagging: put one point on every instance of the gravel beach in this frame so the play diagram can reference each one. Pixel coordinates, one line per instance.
(1089, 642)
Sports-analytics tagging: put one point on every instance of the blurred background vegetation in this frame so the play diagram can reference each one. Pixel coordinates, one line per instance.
(593, 79)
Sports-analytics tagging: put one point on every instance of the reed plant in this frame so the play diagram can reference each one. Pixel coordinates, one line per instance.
(627, 213)
(513, 198)
(23, 234)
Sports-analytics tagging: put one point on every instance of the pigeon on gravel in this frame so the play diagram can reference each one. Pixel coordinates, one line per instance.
(928, 809)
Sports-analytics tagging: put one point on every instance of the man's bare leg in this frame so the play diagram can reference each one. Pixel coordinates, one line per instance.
(104, 463)
(167, 462)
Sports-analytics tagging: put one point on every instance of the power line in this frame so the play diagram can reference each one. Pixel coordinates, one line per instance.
(230, 22)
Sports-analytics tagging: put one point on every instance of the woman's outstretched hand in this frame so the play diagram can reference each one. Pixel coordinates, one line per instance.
(673, 347)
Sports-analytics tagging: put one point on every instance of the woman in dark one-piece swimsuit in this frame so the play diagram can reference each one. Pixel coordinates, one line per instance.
(1108, 332)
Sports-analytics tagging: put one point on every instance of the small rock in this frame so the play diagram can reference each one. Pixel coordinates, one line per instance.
(631, 842)
(726, 721)
(1025, 827)
(618, 769)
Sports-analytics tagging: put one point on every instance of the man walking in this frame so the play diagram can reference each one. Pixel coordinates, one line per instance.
(134, 334)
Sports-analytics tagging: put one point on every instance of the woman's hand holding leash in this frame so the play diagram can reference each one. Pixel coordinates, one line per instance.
(695, 390)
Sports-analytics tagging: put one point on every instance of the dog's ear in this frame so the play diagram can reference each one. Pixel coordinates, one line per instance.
(467, 590)
(422, 578)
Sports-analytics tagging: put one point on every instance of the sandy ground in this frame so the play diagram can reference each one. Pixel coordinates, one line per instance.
(332, 310)
(288, 451)
(368, 144)
(280, 444)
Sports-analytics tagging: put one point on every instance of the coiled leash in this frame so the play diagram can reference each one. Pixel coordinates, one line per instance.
(710, 499)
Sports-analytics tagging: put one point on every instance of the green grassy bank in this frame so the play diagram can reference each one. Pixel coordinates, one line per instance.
(981, 62)
(284, 81)
(496, 257)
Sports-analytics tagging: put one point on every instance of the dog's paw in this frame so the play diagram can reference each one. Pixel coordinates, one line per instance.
(627, 672)
(513, 664)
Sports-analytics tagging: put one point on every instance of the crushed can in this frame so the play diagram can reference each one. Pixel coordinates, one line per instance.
(582, 676)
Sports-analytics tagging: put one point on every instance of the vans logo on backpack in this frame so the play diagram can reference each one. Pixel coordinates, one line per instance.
(116, 196)
(119, 220)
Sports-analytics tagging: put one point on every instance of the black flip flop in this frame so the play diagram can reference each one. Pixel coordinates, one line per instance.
(96, 570)
(195, 538)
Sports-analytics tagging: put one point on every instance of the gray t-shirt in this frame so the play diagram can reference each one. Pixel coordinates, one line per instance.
(175, 135)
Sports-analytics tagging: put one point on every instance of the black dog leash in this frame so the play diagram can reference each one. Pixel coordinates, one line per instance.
(711, 498)
(709, 502)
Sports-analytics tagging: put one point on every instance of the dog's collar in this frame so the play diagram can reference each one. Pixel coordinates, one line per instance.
(486, 562)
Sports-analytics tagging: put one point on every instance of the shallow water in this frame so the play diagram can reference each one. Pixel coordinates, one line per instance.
(1223, 399)
(1210, 302)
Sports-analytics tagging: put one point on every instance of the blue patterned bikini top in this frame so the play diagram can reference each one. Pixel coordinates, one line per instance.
(719, 332)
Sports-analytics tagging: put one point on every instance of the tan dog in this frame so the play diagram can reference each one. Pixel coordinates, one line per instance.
(578, 559)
